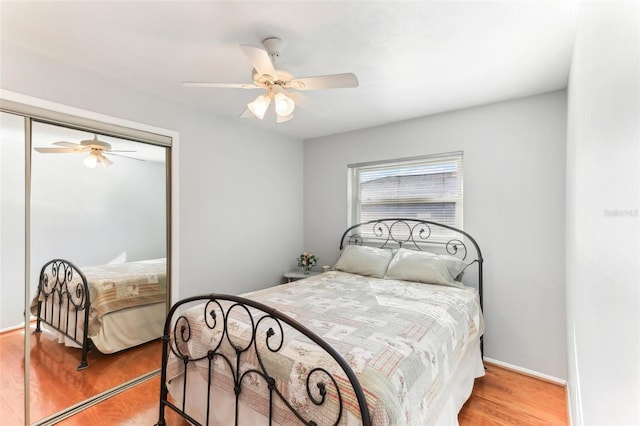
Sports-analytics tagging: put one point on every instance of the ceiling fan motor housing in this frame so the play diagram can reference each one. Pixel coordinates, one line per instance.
(96, 144)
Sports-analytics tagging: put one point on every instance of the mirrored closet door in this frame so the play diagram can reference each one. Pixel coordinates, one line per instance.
(99, 200)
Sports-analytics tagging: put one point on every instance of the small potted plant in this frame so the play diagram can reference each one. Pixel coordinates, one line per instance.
(306, 261)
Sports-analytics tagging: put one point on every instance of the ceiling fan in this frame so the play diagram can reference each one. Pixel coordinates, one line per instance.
(97, 149)
(279, 85)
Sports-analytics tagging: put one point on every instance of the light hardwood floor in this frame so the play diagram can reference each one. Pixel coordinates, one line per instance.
(505, 397)
(502, 397)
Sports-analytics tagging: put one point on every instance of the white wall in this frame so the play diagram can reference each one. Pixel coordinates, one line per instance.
(12, 220)
(240, 191)
(603, 229)
(514, 177)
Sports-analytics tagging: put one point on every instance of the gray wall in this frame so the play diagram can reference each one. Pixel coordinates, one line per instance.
(514, 178)
(603, 219)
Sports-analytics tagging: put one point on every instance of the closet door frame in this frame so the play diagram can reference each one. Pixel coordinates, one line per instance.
(33, 109)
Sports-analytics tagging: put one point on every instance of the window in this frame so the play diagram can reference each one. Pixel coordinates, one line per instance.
(428, 188)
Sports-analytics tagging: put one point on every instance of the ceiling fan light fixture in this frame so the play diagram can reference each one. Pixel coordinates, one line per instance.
(91, 161)
(284, 105)
(259, 106)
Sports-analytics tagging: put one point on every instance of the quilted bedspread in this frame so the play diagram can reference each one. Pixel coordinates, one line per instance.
(125, 285)
(118, 286)
(402, 339)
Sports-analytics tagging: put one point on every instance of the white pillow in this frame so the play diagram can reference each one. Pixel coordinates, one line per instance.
(364, 260)
(424, 267)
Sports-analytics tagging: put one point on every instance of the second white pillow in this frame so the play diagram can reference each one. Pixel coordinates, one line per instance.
(425, 267)
(364, 260)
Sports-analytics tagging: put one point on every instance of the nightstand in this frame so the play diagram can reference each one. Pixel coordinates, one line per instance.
(298, 275)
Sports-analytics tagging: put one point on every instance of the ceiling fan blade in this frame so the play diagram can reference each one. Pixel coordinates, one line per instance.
(260, 60)
(333, 81)
(56, 150)
(308, 104)
(123, 156)
(68, 144)
(105, 161)
(220, 85)
(247, 114)
(120, 150)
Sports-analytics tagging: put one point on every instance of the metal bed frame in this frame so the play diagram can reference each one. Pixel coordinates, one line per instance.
(69, 292)
(385, 233)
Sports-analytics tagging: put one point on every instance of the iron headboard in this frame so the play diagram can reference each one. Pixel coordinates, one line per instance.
(417, 234)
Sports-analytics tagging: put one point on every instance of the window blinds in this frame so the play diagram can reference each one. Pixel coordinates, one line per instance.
(428, 188)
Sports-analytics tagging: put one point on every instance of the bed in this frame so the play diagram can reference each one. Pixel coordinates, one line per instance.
(392, 335)
(110, 307)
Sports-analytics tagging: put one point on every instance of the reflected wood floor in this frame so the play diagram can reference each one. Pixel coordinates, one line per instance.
(502, 397)
(55, 383)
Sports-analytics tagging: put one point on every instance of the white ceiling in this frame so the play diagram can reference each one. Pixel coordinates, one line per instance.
(412, 58)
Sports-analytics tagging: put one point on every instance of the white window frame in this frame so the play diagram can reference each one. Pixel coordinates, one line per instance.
(435, 161)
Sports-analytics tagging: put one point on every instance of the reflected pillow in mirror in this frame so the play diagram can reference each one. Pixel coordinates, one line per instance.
(363, 260)
(424, 267)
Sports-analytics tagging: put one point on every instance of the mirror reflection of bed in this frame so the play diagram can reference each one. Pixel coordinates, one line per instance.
(108, 217)
(109, 307)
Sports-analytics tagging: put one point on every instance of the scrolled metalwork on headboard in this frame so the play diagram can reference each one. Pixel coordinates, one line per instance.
(221, 314)
(407, 233)
(416, 234)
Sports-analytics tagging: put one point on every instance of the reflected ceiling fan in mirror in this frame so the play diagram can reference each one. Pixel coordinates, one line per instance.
(97, 149)
(281, 88)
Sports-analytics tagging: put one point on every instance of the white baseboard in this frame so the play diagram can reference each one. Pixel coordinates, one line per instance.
(32, 320)
(15, 327)
(528, 372)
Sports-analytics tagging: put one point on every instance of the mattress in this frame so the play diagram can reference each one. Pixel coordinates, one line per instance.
(413, 346)
(125, 328)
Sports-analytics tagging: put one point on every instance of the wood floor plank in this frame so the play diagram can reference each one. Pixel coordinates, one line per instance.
(505, 397)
